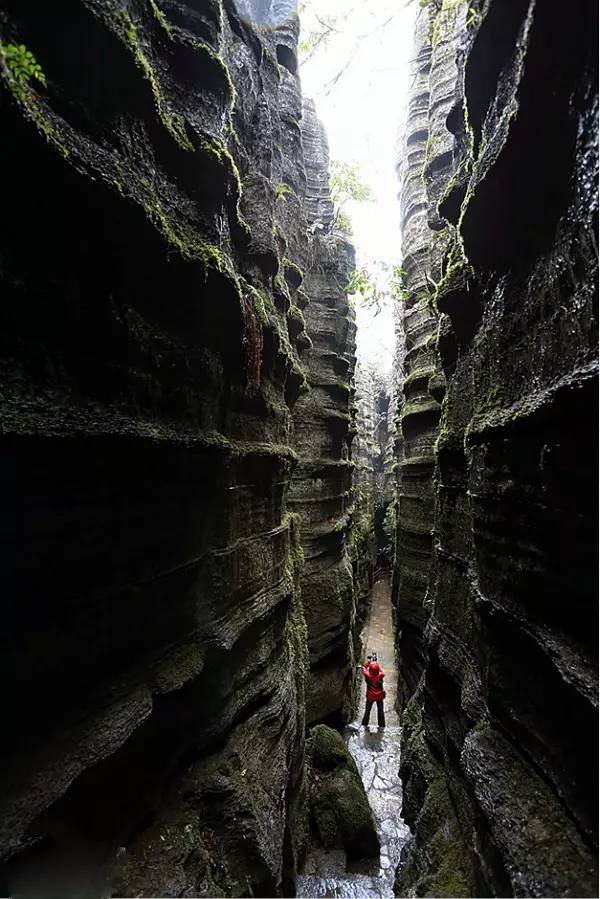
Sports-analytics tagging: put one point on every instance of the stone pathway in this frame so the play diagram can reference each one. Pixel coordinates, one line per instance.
(377, 756)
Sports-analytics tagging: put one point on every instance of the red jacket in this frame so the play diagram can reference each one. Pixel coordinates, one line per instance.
(374, 677)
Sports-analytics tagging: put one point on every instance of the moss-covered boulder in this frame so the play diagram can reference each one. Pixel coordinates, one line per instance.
(340, 810)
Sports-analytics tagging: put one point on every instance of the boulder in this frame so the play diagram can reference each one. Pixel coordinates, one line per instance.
(339, 807)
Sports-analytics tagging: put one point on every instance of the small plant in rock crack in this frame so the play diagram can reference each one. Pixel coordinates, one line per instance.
(283, 190)
(22, 64)
(344, 223)
(473, 17)
(398, 289)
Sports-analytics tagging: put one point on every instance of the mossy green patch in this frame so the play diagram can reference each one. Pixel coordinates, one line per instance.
(296, 632)
(339, 805)
(451, 874)
(258, 303)
(283, 190)
(327, 750)
(458, 271)
(174, 122)
(221, 70)
(184, 238)
(269, 317)
(412, 716)
(419, 375)
(160, 16)
(424, 407)
(295, 315)
(343, 817)
(293, 273)
(219, 153)
(438, 863)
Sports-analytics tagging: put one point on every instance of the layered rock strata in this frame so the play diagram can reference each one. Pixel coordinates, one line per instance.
(323, 429)
(499, 747)
(383, 499)
(395, 452)
(373, 485)
(363, 453)
(154, 643)
(425, 161)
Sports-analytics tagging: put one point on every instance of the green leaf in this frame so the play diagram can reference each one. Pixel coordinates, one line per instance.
(23, 65)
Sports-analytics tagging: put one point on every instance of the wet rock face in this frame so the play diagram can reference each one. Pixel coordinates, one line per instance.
(499, 749)
(321, 490)
(365, 452)
(152, 351)
(424, 161)
(340, 811)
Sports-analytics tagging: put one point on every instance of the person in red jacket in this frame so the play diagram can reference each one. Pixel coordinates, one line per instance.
(375, 693)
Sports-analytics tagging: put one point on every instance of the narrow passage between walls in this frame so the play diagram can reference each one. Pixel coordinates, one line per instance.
(376, 752)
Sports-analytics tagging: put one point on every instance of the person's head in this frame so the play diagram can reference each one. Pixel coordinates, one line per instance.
(374, 667)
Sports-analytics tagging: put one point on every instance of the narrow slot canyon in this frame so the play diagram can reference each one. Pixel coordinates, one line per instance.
(376, 752)
(299, 365)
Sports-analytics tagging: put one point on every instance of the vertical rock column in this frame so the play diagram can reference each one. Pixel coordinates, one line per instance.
(426, 159)
(321, 486)
(364, 450)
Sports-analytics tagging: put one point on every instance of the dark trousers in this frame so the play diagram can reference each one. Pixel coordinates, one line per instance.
(380, 715)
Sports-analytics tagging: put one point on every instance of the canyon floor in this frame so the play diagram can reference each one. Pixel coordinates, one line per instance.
(376, 752)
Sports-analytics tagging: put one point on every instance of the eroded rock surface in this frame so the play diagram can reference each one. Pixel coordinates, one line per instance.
(364, 453)
(153, 347)
(339, 807)
(496, 586)
(322, 483)
(420, 391)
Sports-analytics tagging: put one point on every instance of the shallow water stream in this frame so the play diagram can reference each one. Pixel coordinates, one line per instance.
(377, 755)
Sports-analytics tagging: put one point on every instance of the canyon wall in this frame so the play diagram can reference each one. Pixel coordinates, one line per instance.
(496, 588)
(157, 261)
(421, 389)
(364, 452)
(321, 490)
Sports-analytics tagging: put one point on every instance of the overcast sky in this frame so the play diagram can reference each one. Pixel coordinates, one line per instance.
(363, 114)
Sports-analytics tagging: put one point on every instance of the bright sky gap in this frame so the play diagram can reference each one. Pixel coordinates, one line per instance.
(359, 77)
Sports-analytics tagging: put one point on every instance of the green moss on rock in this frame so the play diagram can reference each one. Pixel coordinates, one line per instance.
(424, 407)
(343, 816)
(339, 806)
(293, 273)
(418, 375)
(174, 122)
(296, 319)
(411, 717)
(438, 864)
(326, 750)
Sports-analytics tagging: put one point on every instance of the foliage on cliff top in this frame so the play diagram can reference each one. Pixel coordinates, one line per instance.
(377, 284)
(347, 183)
